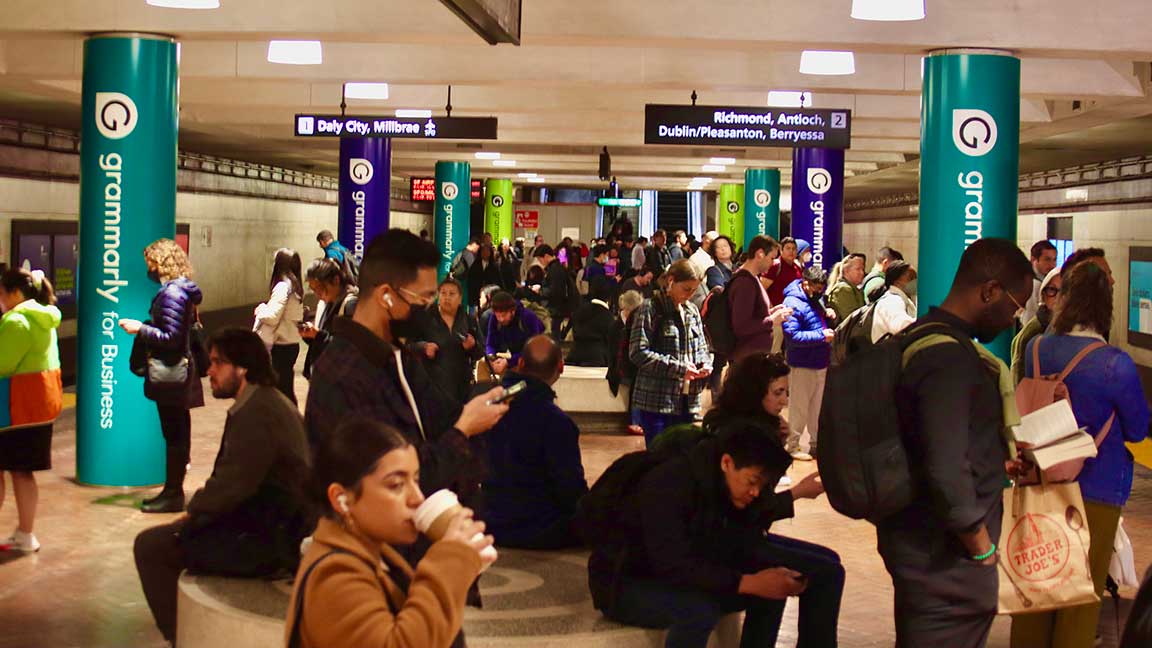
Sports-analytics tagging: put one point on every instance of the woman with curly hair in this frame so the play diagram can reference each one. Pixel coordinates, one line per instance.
(166, 337)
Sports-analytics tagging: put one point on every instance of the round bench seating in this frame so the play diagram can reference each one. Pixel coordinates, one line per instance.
(531, 598)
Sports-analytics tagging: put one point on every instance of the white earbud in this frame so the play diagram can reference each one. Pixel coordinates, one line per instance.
(388, 300)
(343, 500)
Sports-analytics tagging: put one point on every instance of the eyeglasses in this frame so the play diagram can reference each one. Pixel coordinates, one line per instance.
(415, 299)
(1019, 308)
(1051, 291)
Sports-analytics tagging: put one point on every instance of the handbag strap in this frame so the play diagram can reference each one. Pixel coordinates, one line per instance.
(294, 637)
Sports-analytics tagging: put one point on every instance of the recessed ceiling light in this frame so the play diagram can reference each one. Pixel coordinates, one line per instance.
(701, 180)
(722, 161)
(827, 62)
(888, 9)
(713, 168)
(414, 114)
(504, 163)
(536, 179)
(789, 98)
(526, 175)
(185, 4)
(487, 155)
(290, 52)
(357, 90)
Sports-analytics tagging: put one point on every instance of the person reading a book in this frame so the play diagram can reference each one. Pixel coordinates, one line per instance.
(1104, 390)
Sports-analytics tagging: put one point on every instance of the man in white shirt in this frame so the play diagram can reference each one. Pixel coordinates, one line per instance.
(638, 253)
(895, 310)
(702, 257)
(1043, 257)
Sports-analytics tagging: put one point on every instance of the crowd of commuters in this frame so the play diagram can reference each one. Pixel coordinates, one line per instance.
(407, 377)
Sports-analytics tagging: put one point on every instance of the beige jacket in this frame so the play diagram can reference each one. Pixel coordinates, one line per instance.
(277, 318)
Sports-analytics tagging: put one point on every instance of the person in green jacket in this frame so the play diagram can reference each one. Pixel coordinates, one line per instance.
(31, 392)
(846, 295)
(1049, 290)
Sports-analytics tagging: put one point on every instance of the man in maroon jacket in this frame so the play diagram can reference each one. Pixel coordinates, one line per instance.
(780, 275)
(751, 313)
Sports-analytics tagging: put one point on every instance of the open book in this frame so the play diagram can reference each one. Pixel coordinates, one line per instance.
(1050, 436)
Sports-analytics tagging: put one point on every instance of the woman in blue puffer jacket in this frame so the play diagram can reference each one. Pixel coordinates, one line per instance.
(807, 343)
(166, 337)
(1105, 392)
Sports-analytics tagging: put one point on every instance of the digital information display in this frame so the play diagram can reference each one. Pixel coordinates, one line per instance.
(453, 128)
(477, 189)
(1140, 297)
(747, 126)
(619, 202)
(423, 189)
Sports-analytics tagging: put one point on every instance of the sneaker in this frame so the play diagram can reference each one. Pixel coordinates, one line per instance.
(800, 455)
(20, 541)
(784, 482)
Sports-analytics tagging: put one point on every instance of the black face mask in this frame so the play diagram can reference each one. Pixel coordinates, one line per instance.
(154, 275)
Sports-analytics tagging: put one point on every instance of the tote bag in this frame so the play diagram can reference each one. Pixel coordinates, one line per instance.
(1043, 553)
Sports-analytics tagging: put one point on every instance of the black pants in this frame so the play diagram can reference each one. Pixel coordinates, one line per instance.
(176, 425)
(159, 561)
(942, 597)
(561, 325)
(284, 363)
(691, 614)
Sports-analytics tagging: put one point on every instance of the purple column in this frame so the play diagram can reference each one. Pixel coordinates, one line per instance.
(365, 179)
(818, 202)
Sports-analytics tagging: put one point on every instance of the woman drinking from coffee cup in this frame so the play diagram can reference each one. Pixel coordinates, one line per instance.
(353, 588)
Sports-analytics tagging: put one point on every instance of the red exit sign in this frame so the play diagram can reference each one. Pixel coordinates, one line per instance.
(423, 189)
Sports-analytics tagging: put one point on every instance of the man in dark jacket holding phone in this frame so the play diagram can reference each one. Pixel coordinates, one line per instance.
(696, 549)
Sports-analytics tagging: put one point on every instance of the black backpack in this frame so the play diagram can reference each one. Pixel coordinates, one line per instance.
(853, 334)
(717, 318)
(598, 512)
(863, 462)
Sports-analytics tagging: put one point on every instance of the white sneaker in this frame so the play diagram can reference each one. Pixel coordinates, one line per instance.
(784, 482)
(20, 541)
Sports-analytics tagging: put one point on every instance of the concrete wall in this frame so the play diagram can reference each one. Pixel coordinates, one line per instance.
(555, 217)
(1113, 230)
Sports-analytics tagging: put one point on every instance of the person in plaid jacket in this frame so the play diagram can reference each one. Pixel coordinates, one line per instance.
(672, 357)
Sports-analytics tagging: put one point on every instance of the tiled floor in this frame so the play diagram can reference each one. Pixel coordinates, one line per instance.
(81, 589)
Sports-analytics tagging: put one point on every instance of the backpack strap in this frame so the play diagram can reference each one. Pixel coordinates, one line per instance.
(1036, 357)
(1075, 360)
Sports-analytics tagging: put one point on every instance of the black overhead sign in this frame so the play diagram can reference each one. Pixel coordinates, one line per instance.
(455, 128)
(747, 126)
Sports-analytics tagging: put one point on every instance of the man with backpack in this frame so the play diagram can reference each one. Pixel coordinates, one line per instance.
(341, 255)
(750, 313)
(559, 291)
(678, 541)
(940, 548)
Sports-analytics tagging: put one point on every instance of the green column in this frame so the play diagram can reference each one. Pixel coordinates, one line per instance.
(498, 208)
(127, 200)
(761, 204)
(730, 213)
(969, 163)
(453, 212)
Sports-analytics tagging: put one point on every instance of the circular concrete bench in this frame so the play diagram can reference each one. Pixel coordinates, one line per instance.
(537, 599)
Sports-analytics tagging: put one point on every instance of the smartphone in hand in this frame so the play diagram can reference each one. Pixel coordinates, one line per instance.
(511, 392)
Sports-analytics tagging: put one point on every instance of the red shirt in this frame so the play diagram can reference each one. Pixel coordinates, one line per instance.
(782, 275)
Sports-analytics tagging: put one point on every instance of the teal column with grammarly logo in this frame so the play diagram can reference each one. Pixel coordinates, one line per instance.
(730, 213)
(498, 208)
(127, 200)
(761, 204)
(969, 163)
(452, 213)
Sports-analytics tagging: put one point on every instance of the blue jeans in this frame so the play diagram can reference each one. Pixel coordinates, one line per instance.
(654, 423)
(691, 614)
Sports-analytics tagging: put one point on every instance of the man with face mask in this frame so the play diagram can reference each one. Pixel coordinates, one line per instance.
(366, 373)
(941, 550)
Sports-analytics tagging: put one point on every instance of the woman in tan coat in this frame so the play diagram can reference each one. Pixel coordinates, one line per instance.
(353, 589)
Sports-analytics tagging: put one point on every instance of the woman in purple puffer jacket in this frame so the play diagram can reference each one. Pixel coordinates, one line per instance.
(166, 337)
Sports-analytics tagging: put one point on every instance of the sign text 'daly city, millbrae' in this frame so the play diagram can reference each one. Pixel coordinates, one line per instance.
(464, 128)
(747, 126)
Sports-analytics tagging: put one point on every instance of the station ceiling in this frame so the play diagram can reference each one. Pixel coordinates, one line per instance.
(585, 70)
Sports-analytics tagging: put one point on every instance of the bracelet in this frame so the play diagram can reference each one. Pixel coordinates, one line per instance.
(983, 557)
